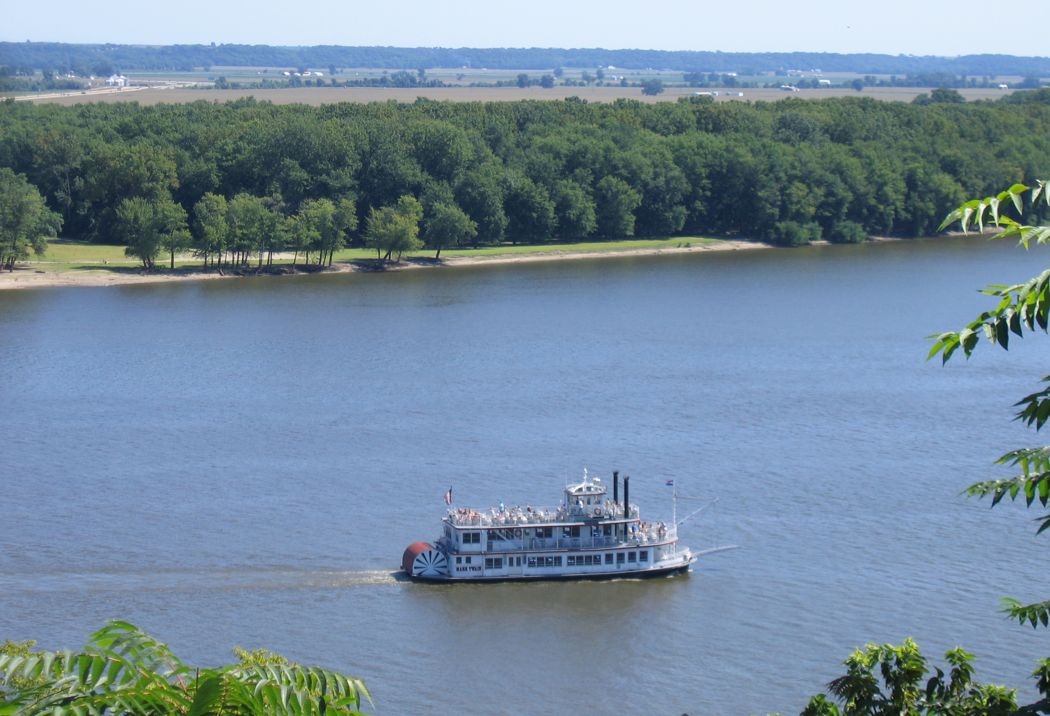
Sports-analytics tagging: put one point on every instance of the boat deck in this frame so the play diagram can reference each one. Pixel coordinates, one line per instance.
(524, 516)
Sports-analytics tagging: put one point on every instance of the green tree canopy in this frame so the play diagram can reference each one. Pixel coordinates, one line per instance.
(115, 171)
(530, 212)
(479, 192)
(445, 226)
(652, 87)
(211, 227)
(395, 229)
(892, 681)
(574, 209)
(327, 224)
(616, 202)
(123, 670)
(25, 220)
(150, 226)
(730, 168)
(254, 227)
(940, 95)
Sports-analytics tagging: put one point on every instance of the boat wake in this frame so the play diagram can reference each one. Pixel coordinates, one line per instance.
(176, 580)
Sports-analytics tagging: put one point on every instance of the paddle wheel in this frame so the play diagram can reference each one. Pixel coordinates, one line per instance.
(421, 559)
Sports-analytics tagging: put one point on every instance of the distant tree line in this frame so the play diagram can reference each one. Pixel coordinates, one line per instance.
(239, 181)
(648, 86)
(12, 81)
(102, 59)
(813, 81)
(396, 79)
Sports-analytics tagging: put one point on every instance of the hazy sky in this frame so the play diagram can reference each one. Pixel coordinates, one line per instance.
(920, 27)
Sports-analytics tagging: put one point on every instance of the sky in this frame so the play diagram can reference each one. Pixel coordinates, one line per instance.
(916, 27)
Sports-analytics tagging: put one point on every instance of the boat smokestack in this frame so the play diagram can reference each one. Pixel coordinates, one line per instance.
(626, 497)
(616, 486)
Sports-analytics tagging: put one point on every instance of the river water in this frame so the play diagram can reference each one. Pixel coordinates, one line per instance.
(243, 462)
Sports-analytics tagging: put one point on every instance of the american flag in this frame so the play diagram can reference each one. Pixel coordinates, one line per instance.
(670, 483)
(448, 497)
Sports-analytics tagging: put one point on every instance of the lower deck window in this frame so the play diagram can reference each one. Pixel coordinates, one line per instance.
(643, 556)
(583, 560)
(619, 558)
(493, 563)
(545, 561)
(609, 558)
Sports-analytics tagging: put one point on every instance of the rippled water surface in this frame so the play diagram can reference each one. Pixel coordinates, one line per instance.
(242, 463)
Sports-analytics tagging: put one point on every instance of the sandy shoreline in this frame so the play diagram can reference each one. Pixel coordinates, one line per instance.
(26, 276)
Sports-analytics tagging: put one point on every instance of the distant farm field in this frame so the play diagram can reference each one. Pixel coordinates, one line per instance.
(329, 95)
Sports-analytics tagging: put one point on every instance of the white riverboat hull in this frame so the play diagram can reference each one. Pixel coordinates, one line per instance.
(664, 570)
(589, 536)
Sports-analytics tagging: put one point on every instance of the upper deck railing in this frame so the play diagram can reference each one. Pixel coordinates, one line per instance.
(517, 539)
(528, 515)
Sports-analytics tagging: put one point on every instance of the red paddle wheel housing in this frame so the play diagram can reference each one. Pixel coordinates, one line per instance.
(411, 552)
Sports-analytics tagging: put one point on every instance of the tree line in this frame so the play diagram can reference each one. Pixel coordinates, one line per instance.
(452, 174)
(82, 58)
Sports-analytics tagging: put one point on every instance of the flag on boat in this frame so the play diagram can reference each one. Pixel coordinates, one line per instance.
(670, 483)
(448, 497)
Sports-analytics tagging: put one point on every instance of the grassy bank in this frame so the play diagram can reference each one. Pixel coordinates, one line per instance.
(67, 255)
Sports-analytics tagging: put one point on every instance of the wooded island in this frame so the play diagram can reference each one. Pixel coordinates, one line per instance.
(238, 182)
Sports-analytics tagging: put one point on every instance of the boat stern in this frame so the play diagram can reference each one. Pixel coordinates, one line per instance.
(421, 560)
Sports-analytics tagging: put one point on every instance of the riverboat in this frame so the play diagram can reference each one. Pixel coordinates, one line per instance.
(590, 536)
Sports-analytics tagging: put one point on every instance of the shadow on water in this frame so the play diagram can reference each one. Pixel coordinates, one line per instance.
(583, 599)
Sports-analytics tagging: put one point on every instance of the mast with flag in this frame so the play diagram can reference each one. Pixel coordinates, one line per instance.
(674, 504)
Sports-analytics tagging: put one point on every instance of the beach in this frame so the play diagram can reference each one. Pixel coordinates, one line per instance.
(29, 275)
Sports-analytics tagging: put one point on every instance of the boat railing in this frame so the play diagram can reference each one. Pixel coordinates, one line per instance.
(513, 516)
(650, 536)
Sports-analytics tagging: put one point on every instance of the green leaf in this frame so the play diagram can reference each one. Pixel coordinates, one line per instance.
(1015, 194)
(993, 203)
(207, 696)
(126, 671)
(1015, 323)
(1040, 188)
(1002, 333)
(968, 339)
(950, 219)
(1045, 524)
